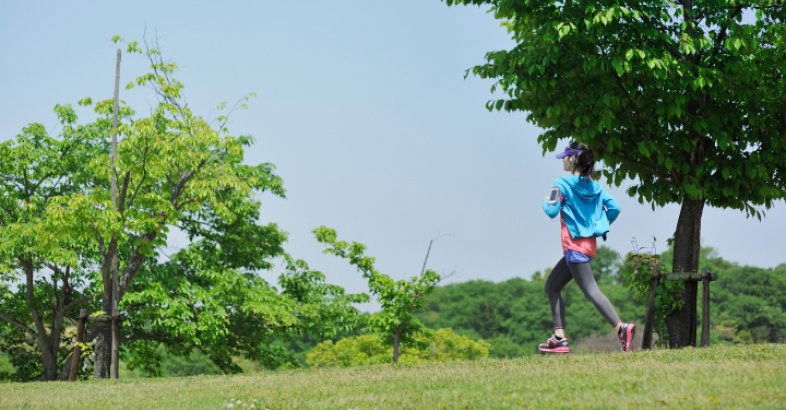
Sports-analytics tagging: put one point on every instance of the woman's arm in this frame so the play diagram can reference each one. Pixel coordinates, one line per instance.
(552, 206)
(611, 205)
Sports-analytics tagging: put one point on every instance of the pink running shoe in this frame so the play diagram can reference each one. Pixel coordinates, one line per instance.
(626, 333)
(554, 345)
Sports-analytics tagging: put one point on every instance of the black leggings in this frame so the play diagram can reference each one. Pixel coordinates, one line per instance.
(582, 274)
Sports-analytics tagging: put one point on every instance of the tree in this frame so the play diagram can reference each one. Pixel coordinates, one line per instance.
(58, 226)
(605, 264)
(59, 234)
(172, 166)
(685, 98)
(42, 273)
(399, 299)
(748, 301)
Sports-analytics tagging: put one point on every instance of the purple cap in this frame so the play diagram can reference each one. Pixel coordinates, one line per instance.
(569, 152)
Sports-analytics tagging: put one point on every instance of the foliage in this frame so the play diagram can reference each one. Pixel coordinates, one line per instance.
(352, 351)
(6, 368)
(325, 311)
(637, 273)
(605, 265)
(42, 277)
(175, 365)
(399, 299)
(175, 169)
(685, 98)
(748, 304)
(440, 346)
(196, 304)
(193, 303)
(514, 316)
(177, 173)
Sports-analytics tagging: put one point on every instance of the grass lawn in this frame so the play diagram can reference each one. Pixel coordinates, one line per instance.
(729, 377)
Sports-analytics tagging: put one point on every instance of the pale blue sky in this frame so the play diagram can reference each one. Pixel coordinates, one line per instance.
(363, 107)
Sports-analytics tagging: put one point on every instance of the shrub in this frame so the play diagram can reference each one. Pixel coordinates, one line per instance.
(437, 346)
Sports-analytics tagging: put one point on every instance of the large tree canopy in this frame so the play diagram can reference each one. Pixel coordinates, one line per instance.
(686, 98)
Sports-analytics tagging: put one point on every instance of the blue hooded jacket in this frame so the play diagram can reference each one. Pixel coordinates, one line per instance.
(587, 208)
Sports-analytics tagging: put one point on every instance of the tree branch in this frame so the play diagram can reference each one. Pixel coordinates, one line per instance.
(123, 191)
(100, 240)
(724, 32)
(27, 266)
(142, 179)
(76, 302)
(18, 324)
(675, 52)
(152, 336)
(135, 263)
(57, 319)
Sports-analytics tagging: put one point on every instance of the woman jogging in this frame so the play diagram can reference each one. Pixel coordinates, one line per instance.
(586, 210)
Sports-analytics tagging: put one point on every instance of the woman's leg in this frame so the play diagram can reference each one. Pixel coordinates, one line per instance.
(558, 278)
(582, 274)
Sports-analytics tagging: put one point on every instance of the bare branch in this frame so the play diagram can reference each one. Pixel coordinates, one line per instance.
(428, 251)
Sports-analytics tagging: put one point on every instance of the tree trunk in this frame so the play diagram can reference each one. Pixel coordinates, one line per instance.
(687, 248)
(115, 363)
(50, 365)
(103, 332)
(71, 368)
(396, 341)
(103, 350)
(48, 358)
(65, 371)
(52, 349)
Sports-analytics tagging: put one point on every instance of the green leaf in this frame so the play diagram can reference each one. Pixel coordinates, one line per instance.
(617, 67)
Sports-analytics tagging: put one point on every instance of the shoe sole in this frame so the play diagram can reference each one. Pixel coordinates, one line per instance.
(555, 350)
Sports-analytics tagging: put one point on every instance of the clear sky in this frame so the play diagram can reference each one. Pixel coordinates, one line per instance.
(364, 108)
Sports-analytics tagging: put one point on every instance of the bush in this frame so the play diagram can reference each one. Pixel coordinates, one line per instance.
(437, 346)
(637, 272)
(6, 368)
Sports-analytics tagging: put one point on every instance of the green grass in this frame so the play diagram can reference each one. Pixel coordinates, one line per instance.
(727, 377)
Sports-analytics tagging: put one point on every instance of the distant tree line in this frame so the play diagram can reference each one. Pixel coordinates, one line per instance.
(748, 305)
